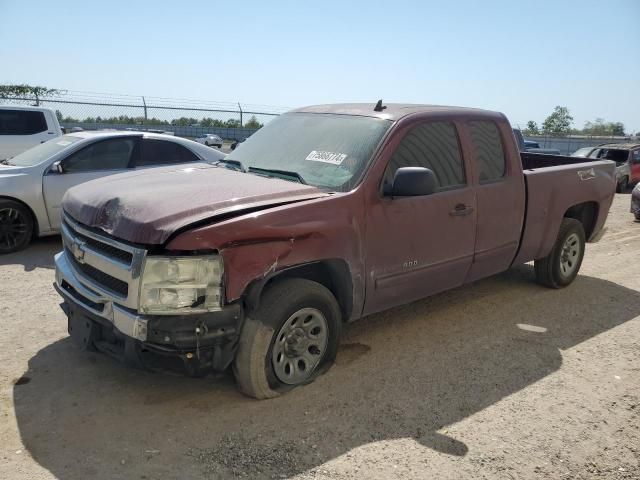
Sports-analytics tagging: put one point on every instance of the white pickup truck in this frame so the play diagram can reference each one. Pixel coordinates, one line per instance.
(33, 183)
(23, 127)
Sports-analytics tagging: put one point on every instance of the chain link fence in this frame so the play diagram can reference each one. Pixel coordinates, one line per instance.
(569, 144)
(183, 117)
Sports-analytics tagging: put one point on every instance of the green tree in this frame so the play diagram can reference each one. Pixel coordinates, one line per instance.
(559, 122)
(532, 128)
(600, 127)
(29, 92)
(232, 123)
(253, 123)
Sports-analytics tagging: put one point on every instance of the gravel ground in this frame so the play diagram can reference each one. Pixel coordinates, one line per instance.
(499, 379)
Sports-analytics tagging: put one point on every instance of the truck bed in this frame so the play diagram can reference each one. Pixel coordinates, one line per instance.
(554, 185)
(542, 160)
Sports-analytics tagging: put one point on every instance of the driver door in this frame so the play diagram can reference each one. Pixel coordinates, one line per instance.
(420, 245)
(100, 159)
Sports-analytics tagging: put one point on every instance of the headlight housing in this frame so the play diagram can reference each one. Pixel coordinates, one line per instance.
(181, 285)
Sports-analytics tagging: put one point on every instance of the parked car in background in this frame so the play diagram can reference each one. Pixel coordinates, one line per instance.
(531, 144)
(23, 127)
(583, 152)
(33, 183)
(259, 261)
(627, 158)
(635, 202)
(210, 140)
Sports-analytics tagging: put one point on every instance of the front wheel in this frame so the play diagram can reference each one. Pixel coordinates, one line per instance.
(16, 226)
(290, 340)
(561, 266)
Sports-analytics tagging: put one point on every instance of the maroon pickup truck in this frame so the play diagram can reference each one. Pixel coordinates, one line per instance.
(326, 215)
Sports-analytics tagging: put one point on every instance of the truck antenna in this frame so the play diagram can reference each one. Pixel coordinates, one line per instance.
(379, 107)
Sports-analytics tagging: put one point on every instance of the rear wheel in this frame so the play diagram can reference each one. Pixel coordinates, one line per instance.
(16, 226)
(561, 266)
(289, 341)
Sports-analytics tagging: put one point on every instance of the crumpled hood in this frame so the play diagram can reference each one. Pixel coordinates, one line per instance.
(147, 206)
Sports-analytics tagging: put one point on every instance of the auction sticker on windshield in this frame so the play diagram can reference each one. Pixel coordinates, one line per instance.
(326, 157)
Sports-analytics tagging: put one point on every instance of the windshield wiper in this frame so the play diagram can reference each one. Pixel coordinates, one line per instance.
(235, 163)
(6, 162)
(286, 173)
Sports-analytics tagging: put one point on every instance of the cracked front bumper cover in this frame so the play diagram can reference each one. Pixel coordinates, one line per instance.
(200, 342)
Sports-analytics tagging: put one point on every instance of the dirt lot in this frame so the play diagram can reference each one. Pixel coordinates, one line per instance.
(499, 379)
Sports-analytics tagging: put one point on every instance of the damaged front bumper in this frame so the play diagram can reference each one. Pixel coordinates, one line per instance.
(195, 344)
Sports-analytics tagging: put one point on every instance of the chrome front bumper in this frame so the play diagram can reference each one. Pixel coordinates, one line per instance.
(73, 290)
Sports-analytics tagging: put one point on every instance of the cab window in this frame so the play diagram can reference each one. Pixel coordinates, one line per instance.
(114, 154)
(432, 145)
(162, 152)
(489, 153)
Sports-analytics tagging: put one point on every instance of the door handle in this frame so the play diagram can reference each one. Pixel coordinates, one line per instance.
(461, 209)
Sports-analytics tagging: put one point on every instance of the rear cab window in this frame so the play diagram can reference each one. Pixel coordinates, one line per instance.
(488, 150)
(432, 145)
(22, 122)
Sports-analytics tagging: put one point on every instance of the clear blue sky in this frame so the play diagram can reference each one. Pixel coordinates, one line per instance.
(519, 57)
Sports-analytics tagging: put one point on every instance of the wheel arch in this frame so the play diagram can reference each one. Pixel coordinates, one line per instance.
(36, 226)
(587, 214)
(334, 274)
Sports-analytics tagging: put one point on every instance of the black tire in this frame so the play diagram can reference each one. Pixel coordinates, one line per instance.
(622, 185)
(550, 271)
(254, 366)
(16, 226)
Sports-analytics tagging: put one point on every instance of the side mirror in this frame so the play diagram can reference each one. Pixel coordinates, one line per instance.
(413, 182)
(56, 167)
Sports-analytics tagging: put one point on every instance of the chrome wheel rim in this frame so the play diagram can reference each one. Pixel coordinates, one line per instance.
(13, 228)
(570, 255)
(299, 346)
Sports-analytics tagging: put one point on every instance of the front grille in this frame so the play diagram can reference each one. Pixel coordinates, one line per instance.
(107, 281)
(104, 248)
(104, 264)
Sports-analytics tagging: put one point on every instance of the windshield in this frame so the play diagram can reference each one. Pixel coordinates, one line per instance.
(582, 152)
(326, 150)
(42, 152)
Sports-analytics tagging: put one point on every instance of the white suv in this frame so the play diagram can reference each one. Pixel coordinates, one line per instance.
(23, 127)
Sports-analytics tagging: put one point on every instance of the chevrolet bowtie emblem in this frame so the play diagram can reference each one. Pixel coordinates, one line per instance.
(77, 249)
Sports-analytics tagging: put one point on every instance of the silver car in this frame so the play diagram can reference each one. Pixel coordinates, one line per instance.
(210, 140)
(33, 183)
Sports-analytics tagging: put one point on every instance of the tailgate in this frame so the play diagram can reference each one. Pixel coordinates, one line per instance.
(551, 191)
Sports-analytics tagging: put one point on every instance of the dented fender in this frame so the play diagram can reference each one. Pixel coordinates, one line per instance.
(258, 245)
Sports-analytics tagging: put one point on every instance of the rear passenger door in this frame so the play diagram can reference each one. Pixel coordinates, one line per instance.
(500, 195)
(99, 159)
(156, 152)
(21, 130)
(418, 246)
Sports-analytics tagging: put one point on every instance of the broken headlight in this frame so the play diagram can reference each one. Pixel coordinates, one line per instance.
(181, 285)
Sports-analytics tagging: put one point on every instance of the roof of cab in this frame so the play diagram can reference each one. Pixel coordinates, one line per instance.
(394, 111)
